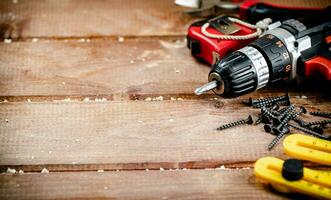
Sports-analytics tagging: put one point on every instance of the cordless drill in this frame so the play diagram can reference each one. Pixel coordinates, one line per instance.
(283, 52)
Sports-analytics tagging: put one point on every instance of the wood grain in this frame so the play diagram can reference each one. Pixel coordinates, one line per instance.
(130, 135)
(189, 184)
(91, 18)
(55, 68)
(129, 70)
(101, 18)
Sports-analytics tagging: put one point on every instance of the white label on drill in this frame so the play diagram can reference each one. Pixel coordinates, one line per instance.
(260, 65)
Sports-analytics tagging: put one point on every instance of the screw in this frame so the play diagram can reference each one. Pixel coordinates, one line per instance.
(277, 130)
(316, 128)
(300, 121)
(305, 130)
(321, 114)
(267, 128)
(285, 130)
(285, 99)
(284, 112)
(322, 122)
(249, 120)
(267, 113)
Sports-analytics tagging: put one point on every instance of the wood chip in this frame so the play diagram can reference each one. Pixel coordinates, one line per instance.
(120, 39)
(7, 41)
(11, 171)
(44, 171)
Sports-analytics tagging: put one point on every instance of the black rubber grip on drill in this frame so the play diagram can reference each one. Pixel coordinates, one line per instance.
(238, 74)
(277, 56)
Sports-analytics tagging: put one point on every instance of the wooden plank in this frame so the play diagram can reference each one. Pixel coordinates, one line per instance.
(99, 18)
(92, 18)
(103, 67)
(130, 135)
(190, 184)
(133, 69)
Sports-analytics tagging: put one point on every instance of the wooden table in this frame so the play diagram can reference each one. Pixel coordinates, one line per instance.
(100, 93)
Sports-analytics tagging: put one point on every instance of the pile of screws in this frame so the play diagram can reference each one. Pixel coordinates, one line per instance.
(277, 120)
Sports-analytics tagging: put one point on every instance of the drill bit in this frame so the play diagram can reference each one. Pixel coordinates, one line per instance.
(206, 87)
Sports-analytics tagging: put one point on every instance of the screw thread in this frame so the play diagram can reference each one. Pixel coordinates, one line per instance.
(305, 130)
(322, 122)
(235, 123)
(301, 122)
(258, 121)
(267, 113)
(286, 111)
(267, 102)
(275, 140)
(321, 114)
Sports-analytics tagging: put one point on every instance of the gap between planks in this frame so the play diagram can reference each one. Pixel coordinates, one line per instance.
(182, 184)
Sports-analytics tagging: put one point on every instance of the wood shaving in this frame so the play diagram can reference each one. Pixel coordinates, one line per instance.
(11, 171)
(44, 171)
(7, 41)
(160, 98)
(100, 99)
(120, 39)
(222, 168)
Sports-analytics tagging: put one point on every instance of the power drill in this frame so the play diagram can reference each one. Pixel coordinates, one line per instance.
(283, 52)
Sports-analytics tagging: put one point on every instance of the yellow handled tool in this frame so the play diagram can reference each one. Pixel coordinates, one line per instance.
(285, 179)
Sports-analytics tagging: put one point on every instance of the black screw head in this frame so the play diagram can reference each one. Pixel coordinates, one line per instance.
(250, 120)
(267, 128)
(280, 130)
(292, 169)
(303, 110)
(276, 121)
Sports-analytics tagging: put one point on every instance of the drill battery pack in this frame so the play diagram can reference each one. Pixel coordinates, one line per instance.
(210, 49)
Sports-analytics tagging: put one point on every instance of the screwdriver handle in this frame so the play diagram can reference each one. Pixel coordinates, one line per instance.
(254, 11)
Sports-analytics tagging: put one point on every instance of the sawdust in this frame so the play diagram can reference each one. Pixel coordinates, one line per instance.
(100, 170)
(34, 40)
